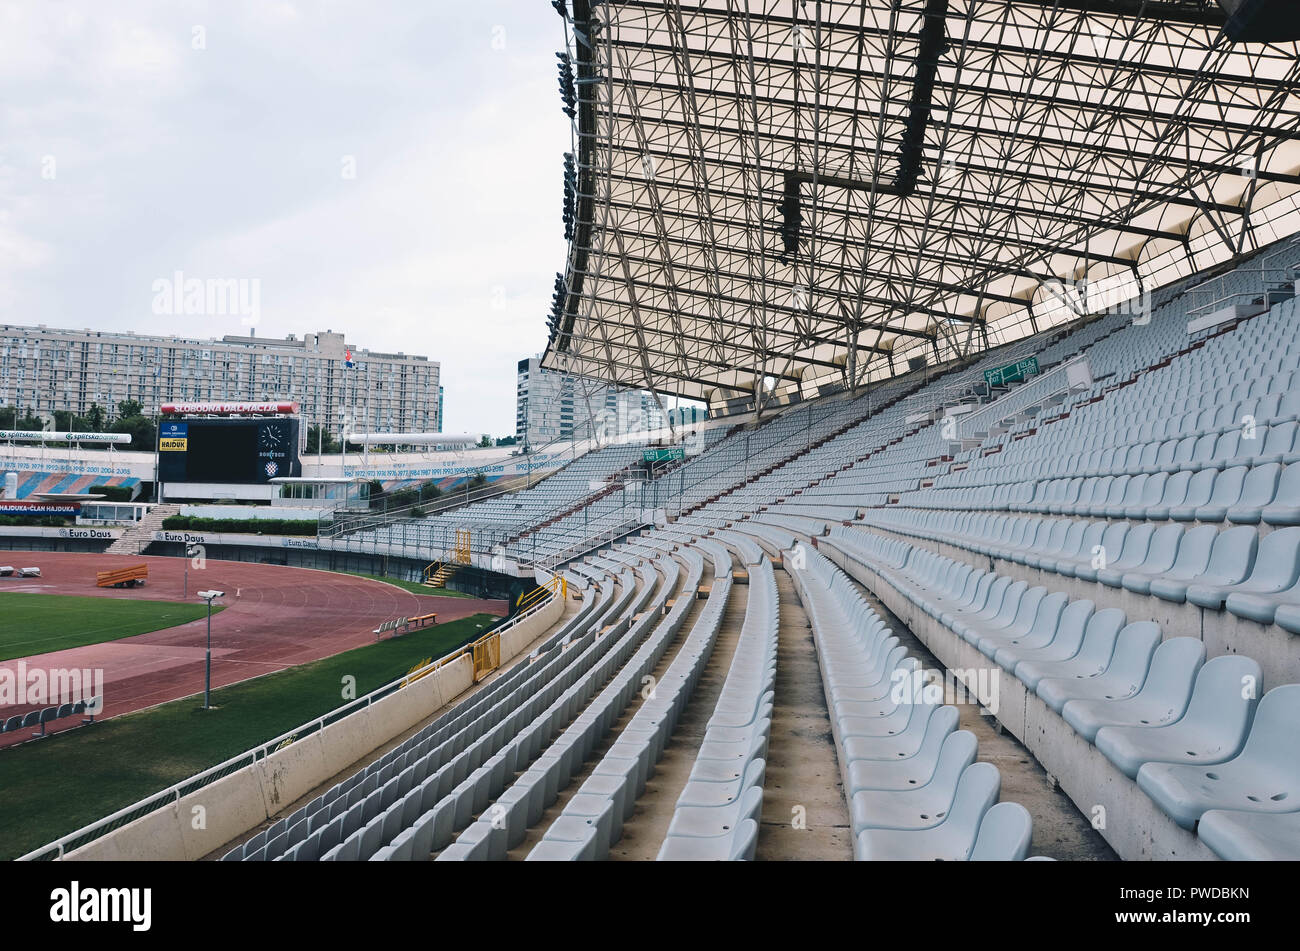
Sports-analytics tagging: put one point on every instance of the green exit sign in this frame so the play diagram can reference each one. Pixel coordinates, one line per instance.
(664, 455)
(1012, 372)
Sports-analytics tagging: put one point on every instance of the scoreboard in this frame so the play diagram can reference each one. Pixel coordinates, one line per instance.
(247, 450)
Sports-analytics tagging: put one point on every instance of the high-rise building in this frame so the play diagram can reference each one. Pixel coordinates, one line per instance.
(44, 369)
(554, 406)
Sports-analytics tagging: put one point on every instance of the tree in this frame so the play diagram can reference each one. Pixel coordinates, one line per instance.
(477, 479)
(142, 429)
(29, 421)
(485, 442)
(128, 408)
(8, 416)
(317, 436)
(506, 441)
(95, 418)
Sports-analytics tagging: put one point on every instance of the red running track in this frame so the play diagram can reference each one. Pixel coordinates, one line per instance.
(275, 617)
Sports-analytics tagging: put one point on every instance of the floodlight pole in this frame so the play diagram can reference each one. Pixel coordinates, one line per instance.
(208, 596)
(207, 664)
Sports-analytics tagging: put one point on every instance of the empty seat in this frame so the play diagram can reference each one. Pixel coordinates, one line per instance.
(1121, 678)
(1276, 567)
(1005, 834)
(1264, 777)
(1162, 700)
(1210, 731)
(1239, 836)
(951, 840)
(1230, 558)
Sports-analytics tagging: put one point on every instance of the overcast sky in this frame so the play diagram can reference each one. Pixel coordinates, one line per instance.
(391, 169)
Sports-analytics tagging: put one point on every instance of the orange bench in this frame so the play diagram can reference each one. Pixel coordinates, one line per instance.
(131, 577)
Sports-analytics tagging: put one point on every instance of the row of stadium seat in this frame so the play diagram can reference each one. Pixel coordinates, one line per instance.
(1157, 710)
(916, 792)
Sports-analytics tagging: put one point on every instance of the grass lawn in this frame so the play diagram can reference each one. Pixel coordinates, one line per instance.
(72, 779)
(36, 623)
(415, 587)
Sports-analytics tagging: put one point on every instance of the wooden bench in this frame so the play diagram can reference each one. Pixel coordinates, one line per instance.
(423, 619)
(131, 577)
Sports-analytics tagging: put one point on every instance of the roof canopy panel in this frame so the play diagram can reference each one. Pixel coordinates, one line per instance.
(812, 192)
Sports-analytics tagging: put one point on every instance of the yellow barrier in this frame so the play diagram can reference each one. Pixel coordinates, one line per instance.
(418, 671)
(487, 655)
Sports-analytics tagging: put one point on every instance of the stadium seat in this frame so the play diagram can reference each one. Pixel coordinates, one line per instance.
(951, 840)
(1162, 700)
(1264, 777)
(1004, 834)
(1241, 836)
(1211, 730)
(1122, 677)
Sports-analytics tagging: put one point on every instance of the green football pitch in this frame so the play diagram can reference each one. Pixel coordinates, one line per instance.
(38, 623)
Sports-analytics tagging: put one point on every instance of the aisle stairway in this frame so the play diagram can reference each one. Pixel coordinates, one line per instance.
(137, 536)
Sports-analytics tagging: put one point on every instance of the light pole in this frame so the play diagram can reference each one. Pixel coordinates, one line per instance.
(209, 596)
(190, 552)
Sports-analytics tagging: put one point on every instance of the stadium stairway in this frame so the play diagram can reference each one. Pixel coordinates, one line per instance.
(137, 536)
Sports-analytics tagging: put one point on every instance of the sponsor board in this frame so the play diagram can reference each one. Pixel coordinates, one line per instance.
(17, 507)
(237, 538)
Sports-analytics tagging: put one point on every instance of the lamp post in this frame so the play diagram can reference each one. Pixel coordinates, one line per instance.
(190, 552)
(209, 596)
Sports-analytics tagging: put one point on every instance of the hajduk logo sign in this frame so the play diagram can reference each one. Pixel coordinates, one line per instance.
(173, 437)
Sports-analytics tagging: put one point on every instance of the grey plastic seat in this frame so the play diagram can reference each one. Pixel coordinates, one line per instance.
(1276, 567)
(1162, 699)
(901, 745)
(912, 771)
(1091, 654)
(1239, 836)
(922, 806)
(1227, 492)
(738, 847)
(998, 611)
(1212, 730)
(1137, 545)
(1264, 777)
(1231, 556)
(1123, 676)
(1199, 490)
(1257, 492)
(1191, 559)
(1285, 507)
(1036, 616)
(1068, 630)
(951, 840)
(1174, 493)
(1108, 548)
(1005, 834)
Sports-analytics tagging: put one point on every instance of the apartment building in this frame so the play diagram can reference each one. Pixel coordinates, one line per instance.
(43, 369)
(551, 405)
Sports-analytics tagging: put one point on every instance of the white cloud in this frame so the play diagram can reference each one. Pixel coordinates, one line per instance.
(225, 162)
